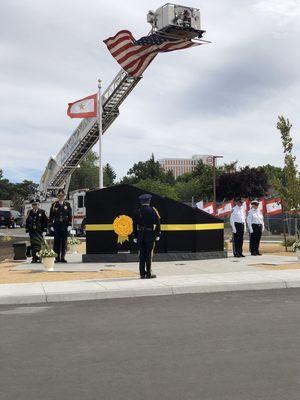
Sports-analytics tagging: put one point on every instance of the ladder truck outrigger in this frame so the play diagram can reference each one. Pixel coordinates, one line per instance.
(170, 20)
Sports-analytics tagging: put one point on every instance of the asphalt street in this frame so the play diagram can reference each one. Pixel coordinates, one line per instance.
(229, 346)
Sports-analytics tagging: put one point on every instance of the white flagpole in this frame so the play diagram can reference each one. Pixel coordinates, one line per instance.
(100, 135)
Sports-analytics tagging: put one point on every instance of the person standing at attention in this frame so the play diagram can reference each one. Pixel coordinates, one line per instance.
(255, 221)
(238, 223)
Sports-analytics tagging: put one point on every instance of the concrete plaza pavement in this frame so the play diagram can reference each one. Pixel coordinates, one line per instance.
(201, 276)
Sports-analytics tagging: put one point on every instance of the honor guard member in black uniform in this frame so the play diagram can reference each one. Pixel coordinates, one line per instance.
(36, 225)
(61, 222)
(146, 230)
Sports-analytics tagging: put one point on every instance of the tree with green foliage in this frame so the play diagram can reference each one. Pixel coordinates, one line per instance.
(289, 189)
(157, 187)
(21, 192)
(5, 187)
(143, 170)
(109, 175)
(17, 192)
(247, 182)
(87, 175)
(169, 177)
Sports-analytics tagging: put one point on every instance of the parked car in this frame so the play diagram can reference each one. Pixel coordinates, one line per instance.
(10, 218)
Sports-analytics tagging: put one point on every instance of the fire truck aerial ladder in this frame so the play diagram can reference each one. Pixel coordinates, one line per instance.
(170, 20)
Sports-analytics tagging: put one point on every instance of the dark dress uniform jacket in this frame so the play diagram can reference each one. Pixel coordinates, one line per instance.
(143, 224)
(36, 221)
(36, 224)
(61, 214)
(146, 227)
(60, 218)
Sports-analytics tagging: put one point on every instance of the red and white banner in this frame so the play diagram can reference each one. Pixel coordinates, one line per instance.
(209, 208)
(273, 206)
(225, 209)
(83, 108)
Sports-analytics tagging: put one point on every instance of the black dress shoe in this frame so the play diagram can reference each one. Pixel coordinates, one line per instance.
(143, 277)
(57, 260)
(151, 276)
(258, 254)
(242, 255)
(253, 254)
(63, 260)
(236, 256)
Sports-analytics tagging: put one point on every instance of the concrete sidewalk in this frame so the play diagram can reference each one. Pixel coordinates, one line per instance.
(173, 278)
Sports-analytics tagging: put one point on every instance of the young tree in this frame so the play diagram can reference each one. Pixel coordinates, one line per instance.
(289, 190)
(109, 175)
(87, 175)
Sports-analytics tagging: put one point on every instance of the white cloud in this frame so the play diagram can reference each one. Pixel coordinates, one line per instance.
(221, 98)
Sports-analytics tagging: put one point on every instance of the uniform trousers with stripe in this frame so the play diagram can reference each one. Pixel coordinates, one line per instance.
(238, 239)
(255, 238)
(146, 246)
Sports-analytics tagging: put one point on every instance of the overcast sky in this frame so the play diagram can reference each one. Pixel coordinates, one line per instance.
(222, 98)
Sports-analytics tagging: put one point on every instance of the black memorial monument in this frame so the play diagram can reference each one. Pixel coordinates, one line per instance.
(187, 233)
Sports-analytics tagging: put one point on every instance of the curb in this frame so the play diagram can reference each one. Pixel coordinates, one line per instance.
(51, 292)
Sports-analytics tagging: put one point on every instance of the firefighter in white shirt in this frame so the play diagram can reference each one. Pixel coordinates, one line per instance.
(238, 224)
(255, 221)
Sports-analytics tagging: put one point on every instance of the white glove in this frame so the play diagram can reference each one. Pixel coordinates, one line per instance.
(51, 229)
(44, 234)
(251, 231)
(157, 238)
(134, 240)
(69, 228)
(233, 230)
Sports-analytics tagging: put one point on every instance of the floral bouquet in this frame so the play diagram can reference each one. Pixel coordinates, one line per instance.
(46, 251)
(72, 240)
(296, 245)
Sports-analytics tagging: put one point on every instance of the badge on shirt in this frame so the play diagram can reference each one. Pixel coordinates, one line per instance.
(66, 207)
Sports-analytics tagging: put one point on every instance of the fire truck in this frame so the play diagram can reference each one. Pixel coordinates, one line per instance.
(170, 20)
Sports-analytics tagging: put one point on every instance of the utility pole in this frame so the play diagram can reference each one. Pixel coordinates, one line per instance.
(214, 176)
(100, 134)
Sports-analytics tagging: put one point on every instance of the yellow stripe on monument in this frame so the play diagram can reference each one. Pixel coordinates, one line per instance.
(164, 227)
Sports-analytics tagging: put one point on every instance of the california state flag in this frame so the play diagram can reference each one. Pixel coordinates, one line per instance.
(83, 108)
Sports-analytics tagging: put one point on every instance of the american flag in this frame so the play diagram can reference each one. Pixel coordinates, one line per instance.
(134, 56)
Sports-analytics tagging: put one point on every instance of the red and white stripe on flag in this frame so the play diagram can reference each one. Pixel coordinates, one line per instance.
(209, 208)
(83, 108)
(273, 206)
(225, 209)
(135, 56)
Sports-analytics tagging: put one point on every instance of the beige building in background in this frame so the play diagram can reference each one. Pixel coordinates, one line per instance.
(181, 166)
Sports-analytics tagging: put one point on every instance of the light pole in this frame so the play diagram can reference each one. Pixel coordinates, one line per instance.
(214, 175)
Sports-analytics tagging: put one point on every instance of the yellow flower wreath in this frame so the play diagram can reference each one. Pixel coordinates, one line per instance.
(123, 227)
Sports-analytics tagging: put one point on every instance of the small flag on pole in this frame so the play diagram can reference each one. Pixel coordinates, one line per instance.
(225, 209)
(209, 208)
(274, 206)
(83, 108)
(134, 56)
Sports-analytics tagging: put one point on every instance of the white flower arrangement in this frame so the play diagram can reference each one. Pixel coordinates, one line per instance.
(46, 251)
(72, 240)
(296, 245)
